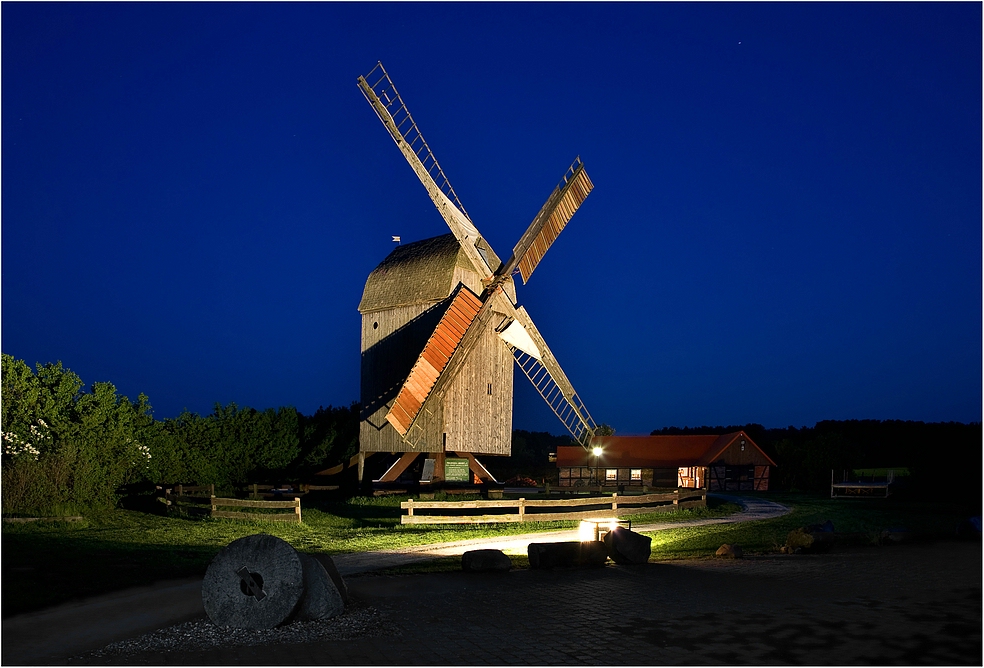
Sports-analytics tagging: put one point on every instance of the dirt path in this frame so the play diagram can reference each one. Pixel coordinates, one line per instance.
(753, 509)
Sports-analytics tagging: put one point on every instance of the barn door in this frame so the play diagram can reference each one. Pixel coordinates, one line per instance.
(761, 478)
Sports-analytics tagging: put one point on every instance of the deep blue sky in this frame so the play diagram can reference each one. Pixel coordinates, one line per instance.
(785, 226)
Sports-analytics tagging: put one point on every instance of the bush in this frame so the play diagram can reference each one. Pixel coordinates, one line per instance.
(64, 448)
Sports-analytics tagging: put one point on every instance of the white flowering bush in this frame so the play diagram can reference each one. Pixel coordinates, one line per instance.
(66, 448)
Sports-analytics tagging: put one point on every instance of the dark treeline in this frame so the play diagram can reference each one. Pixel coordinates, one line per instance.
(66, 449)
(943, 455)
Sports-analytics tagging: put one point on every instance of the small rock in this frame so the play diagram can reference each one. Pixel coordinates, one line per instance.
(729, 551)
(628, 547)
(478, 561)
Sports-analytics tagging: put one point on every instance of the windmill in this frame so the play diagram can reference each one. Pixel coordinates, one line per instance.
(441, 325)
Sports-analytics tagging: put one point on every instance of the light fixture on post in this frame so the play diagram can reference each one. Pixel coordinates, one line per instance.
(596, 451)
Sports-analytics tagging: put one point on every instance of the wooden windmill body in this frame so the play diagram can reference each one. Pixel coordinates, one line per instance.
(403, 302)
(441, 328)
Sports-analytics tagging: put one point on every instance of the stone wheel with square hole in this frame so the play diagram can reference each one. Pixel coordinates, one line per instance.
(256, 582)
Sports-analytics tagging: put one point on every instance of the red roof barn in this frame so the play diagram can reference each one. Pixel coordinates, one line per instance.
(718, 462)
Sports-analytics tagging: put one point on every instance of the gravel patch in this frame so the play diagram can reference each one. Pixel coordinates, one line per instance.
(202, 634)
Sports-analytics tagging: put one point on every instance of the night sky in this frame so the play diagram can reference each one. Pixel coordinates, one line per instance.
(785, 226)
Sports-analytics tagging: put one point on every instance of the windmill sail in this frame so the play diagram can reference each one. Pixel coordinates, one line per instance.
(551, 220)
(437, 352)
(389, 106)
(552, 383)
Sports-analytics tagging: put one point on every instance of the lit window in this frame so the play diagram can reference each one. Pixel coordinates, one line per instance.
(611, 474)
(635, 474)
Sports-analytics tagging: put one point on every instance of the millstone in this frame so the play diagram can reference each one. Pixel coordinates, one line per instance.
(335, 576)
(256, 582)
(321, 598)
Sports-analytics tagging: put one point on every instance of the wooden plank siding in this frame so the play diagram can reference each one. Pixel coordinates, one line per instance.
(467, 418)
(391, 341)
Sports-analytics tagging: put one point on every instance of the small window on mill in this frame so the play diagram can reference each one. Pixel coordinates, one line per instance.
(611, 474)
(635, 474)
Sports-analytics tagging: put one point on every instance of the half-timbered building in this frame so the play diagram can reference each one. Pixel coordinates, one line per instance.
(726, 462)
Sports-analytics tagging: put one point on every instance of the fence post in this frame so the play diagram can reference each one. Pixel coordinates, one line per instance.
(409, 507)
(180, 490)
(546, 488)
(614, 502)
(297, 508)
(211, 489)
(214, 506)
(676, 496)
(522, 509)
(255, 494)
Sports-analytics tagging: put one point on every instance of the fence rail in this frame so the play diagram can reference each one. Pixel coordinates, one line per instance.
(295, 505)
(615, 506)
(211, 506)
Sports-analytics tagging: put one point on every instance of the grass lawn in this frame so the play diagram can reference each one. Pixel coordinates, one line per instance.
(856, 522)
(47, 563)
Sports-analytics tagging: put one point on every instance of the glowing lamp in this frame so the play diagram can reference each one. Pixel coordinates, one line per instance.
(596, 529)
(596, 451)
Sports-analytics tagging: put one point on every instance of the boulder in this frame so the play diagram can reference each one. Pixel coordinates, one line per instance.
(480, 561)
(628, 547)
(321, 598)
(255, 582)
(729, 551)
(592, 553)
(335, 576)
(567, 554)
(827, 526)
(804, 540)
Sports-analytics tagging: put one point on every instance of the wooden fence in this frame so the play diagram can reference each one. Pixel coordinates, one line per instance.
(294, 504)
(184, 498)
(533, 510)
(256, 491)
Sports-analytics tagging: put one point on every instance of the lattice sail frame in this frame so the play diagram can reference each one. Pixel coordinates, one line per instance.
(385, 90)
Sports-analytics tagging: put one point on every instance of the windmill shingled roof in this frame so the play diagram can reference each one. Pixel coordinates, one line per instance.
(653, 451)
(416, 273)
